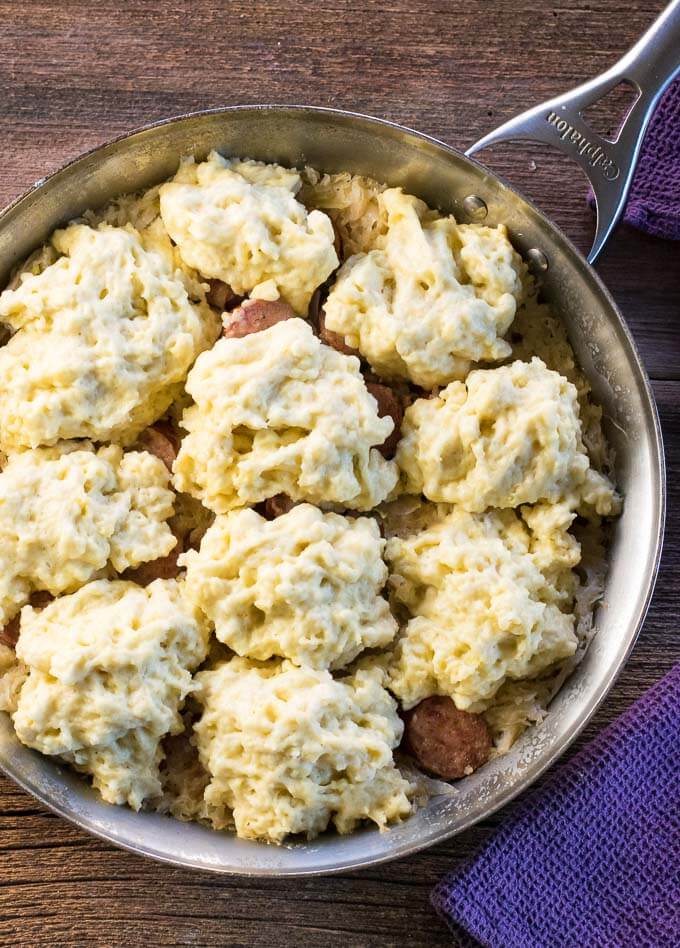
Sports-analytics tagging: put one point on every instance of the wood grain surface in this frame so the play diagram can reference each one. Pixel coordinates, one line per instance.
(74, 74)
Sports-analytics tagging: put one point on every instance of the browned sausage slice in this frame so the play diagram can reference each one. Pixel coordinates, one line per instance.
(389, 403)
(10, 634)
(314, 310)
(445, 741)
(165, 567)
(161, 441)
(256, 315)
(334, 339)
(277, 505)
(40, 599)
(221, 296)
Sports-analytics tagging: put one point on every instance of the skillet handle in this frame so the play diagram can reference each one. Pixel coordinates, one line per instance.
(649, 67)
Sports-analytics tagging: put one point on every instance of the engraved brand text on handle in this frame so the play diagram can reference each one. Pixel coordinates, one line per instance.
(595, 154)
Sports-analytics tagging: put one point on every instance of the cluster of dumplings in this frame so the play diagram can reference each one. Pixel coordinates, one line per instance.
(273, 490)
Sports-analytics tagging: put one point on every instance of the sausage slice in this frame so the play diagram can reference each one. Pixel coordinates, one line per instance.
(389, 403)
(277, 506)
(161, 441)
(446, 742)
(9, 636)
(40, 599)
(256, 315)
(221, 296)
(334, 339)
(165, 567)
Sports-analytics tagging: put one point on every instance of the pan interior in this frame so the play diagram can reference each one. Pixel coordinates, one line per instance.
(336, 141)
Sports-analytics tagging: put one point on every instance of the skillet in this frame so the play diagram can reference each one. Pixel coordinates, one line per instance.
(332, 140)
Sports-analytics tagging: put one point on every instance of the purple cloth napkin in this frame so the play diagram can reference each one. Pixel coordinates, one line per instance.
(654, 198)
(591, 859)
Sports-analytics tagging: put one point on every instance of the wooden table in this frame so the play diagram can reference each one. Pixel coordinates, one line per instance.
(74, 74)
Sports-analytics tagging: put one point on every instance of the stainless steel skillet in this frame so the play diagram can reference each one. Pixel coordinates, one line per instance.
(334, 141)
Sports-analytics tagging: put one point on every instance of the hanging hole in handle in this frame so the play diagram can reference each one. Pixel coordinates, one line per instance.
(607, 115)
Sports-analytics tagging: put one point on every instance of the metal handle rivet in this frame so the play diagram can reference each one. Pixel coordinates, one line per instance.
(475, 207)
(537, 260)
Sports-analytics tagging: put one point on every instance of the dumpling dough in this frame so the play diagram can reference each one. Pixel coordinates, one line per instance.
(238, 221)
(305, 586)
(68, 511)
(436, 297)
(108, 670)
(505, 437)
(142, 210)
(12, 677)
(289, 749)
(279, 412)
(103, 336)
(491, 596)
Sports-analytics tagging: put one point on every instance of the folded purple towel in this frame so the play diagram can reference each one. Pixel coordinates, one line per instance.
(654, 198)
(593, 857)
